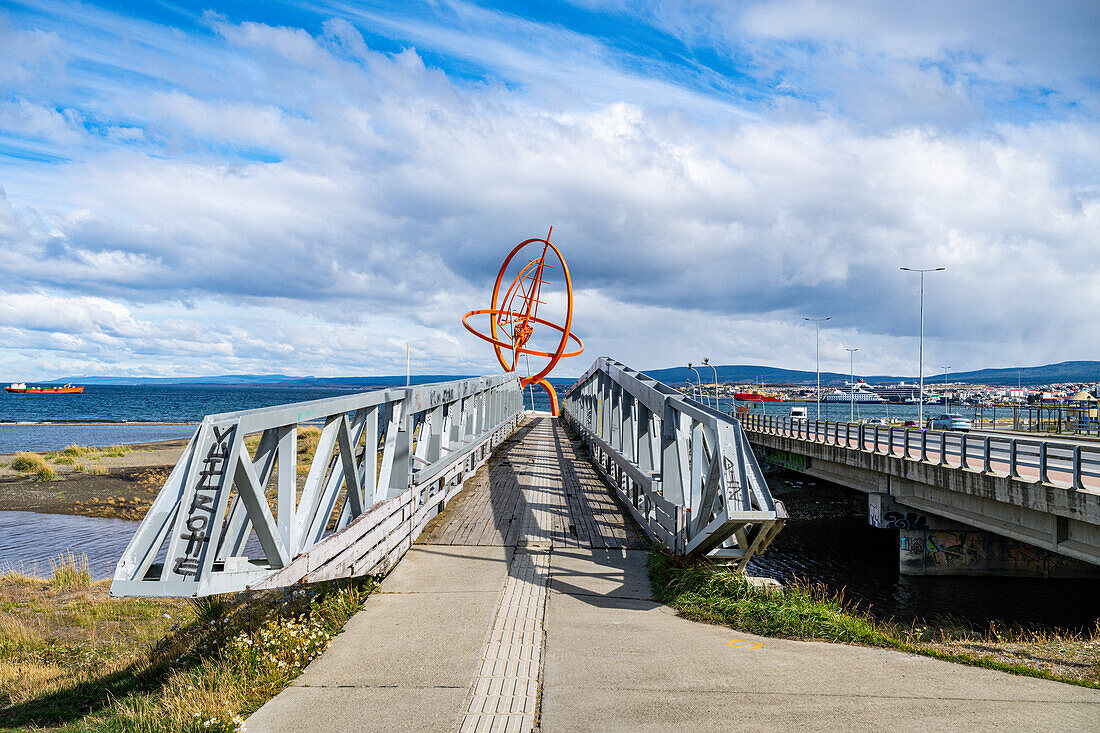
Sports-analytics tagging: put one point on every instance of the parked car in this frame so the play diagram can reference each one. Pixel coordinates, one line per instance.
(949, 422)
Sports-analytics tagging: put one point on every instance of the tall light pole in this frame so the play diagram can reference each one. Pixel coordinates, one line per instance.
(698, 378)
(817, 323)
(944, 368)
(920, 408)
(852, 393)
(707, 362)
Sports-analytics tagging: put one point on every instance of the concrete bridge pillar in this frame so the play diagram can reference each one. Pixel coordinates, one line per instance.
(933, 545)
(975, 552)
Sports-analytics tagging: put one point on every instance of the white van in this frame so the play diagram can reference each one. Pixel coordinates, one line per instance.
(799, 412)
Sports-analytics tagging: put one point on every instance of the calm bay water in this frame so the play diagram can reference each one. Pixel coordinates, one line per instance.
(126, 414)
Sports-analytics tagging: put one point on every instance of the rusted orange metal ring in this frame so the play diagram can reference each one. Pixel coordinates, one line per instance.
(499, 344)
(564, 328)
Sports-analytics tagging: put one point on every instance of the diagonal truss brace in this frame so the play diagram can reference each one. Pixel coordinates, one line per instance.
(686, 471)
(230, 518)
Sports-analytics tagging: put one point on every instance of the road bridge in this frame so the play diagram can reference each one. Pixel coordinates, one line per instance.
(939, 487)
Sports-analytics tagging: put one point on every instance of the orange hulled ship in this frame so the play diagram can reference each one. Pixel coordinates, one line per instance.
(22, 388)
(755, 396)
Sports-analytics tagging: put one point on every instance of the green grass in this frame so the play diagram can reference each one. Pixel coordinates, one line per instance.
(115, 451)
(703, 591)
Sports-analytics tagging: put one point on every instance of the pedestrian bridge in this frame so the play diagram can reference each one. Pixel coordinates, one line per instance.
(238, 511)
(521, 600)
(1042, 492)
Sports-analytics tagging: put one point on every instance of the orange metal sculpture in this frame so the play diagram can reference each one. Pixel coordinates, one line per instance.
(513, 317)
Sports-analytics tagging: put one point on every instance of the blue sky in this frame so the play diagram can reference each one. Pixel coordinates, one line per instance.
(305, 187)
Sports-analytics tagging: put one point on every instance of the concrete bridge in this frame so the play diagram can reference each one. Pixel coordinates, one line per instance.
(514, 547)
(965, 503)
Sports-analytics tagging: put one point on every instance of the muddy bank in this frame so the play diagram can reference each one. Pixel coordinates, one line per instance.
(94, 484)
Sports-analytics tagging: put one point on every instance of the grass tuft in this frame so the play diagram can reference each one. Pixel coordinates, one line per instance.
(70, 571)
(115, 451)
(25, 461)
(76, 451)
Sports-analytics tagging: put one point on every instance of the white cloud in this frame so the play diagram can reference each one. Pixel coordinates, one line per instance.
(313, 204)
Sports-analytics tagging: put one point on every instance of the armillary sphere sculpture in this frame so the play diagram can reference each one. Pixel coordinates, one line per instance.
(514, 317)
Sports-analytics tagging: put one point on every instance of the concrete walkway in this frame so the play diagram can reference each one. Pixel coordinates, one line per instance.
(565, 637)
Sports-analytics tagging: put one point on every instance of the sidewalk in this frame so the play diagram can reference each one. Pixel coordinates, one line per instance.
(612, 659)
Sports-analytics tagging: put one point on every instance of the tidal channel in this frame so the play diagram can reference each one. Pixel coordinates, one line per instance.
(828, 541)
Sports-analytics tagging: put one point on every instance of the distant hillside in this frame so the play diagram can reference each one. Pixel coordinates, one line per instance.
(1066, 371)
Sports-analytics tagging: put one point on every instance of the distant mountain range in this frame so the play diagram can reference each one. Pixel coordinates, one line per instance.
(1066, 371)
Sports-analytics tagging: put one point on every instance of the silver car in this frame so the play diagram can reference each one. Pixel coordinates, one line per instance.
(949, 422)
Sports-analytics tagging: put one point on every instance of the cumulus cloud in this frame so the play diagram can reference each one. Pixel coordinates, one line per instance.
(307, 201)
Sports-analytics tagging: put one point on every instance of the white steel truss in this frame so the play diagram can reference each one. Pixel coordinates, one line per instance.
(385, 463)
(686, 471)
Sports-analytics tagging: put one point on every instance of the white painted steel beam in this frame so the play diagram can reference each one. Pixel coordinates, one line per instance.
(685, 471)
(367, 492)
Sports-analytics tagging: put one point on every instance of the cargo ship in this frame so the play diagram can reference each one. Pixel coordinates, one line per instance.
(755, 396)
(22, 388)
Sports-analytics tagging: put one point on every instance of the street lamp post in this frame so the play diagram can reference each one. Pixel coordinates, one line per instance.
(700, 380)
(920, 408)
(944, 368)
(852, 384)
(707, 362)
(817, 323)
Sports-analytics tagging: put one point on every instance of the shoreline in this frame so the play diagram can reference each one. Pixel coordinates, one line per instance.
(99, 483)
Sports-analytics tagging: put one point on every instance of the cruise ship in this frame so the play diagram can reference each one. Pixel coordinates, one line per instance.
(858, 393)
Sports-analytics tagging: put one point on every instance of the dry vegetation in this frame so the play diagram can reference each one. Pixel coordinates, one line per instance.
(32, 463)
(74, 659)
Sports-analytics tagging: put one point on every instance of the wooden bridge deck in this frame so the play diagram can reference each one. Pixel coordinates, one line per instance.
(539, 489)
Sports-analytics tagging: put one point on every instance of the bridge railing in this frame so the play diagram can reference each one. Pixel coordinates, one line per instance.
(240, 510)
(1071, 465)
(685, 471)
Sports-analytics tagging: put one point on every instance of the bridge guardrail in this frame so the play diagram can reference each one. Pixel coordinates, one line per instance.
(1067, 465)
(385, 461)
(685, 471)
